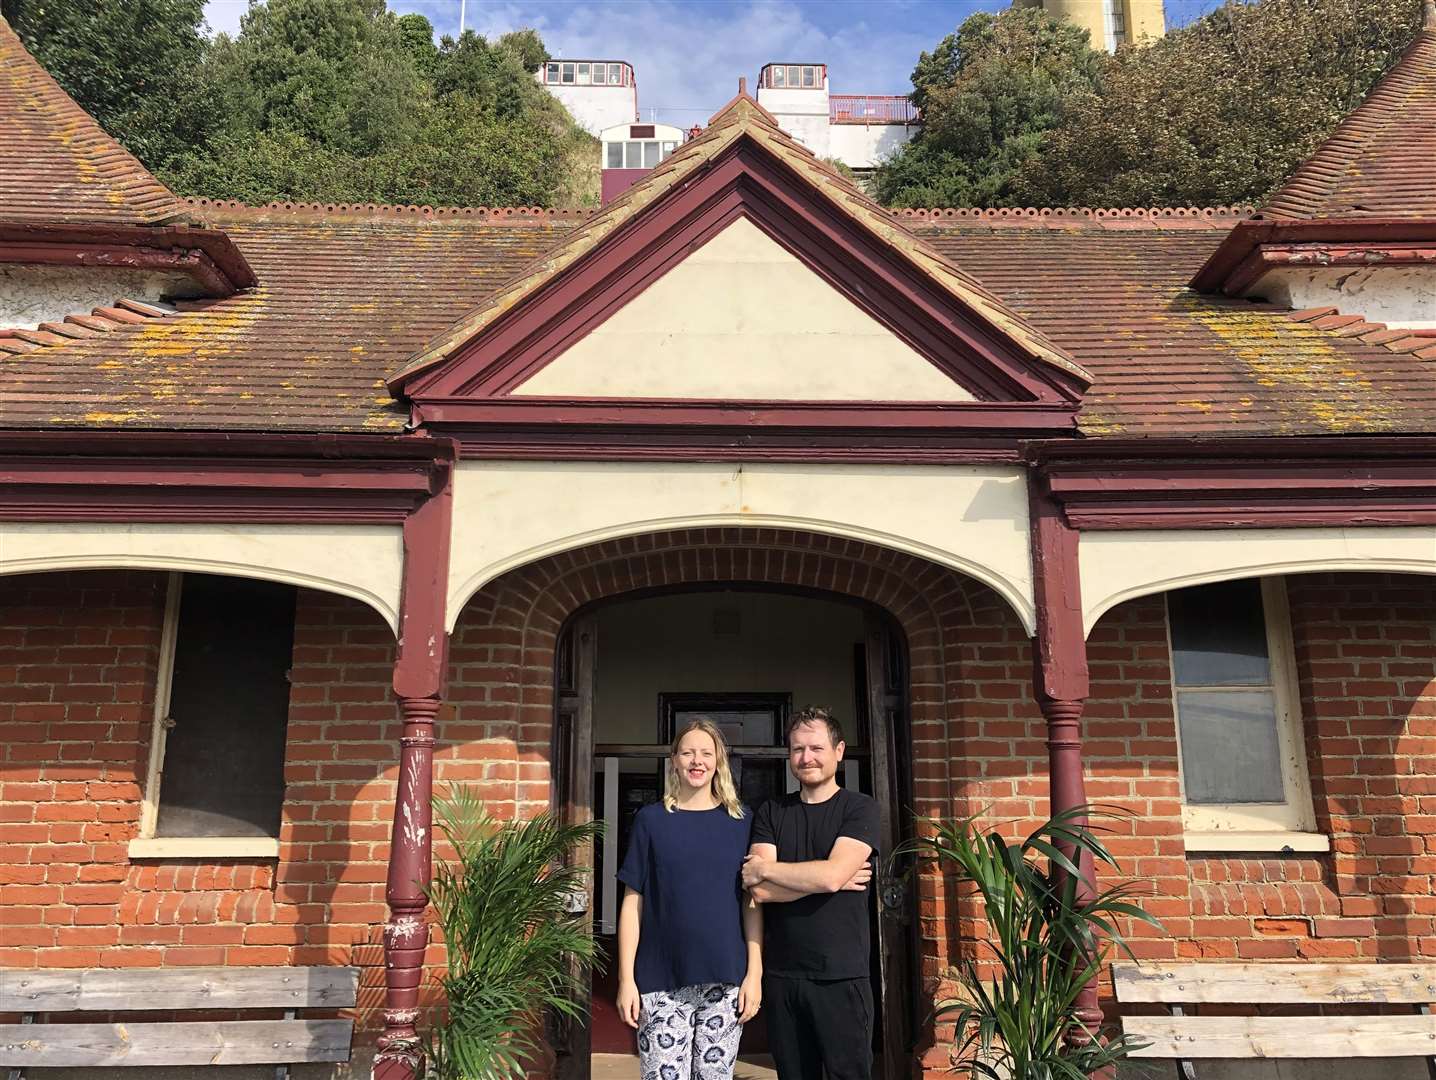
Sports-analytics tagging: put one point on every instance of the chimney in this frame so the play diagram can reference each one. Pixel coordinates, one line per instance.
(743, 79)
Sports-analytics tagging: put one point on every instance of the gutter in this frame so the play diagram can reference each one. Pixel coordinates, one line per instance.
(207, 256)
(1255, 246)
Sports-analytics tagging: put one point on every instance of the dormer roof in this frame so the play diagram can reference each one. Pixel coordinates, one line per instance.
(57, 164)
(71, 195)
(1367, 195)
(1381, 160)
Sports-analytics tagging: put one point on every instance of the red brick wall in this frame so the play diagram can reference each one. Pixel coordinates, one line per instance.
(1366, 667)
(76, 692)
(76, 709)
(76, 684)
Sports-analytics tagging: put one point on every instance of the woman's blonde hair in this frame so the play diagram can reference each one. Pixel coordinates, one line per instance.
(724, 789)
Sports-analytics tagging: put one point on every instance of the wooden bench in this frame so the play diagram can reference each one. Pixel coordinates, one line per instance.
(39, 994)
(1331, 1035)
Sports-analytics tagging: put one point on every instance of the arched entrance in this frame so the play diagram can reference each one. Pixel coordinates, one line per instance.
(630, 670)
(954, 659)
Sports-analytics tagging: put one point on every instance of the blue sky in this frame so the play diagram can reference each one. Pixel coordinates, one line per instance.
(688, 54)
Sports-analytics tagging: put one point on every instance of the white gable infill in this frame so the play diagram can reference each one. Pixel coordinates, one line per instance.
(742, 318)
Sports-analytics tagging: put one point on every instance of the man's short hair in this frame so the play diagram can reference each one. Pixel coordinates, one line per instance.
(814, 714)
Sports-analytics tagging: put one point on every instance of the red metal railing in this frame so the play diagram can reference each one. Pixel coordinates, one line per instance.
(871, 109)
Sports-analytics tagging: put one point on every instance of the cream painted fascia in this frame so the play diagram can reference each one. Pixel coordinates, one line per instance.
(1119, 565)
(742, 319)
(972, 519)
(1277, 841)
(361, 561)
(204, 847)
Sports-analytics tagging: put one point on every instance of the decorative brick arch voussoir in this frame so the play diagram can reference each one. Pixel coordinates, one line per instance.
(502, 679)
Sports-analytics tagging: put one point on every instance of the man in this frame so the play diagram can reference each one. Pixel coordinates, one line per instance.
(808, 864)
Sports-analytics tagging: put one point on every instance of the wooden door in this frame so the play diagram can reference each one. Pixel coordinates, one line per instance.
(886, 682)
(574, 664)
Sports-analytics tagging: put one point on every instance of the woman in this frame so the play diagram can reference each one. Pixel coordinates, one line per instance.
(690, 943)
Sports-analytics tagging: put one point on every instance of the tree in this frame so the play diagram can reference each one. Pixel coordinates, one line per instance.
(341, 100)
(338, 73)
(988, 93)
(136, 66)
(1219, 112)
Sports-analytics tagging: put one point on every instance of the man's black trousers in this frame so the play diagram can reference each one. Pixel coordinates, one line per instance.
(818, 1026)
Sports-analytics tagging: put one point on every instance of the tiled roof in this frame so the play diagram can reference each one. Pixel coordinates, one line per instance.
(1169, 361)
(745, 118)
(343, 304)
(56, 164)
(340, 306)
(1381, 160)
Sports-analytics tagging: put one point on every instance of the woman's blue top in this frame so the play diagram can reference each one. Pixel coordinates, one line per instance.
(686, 864)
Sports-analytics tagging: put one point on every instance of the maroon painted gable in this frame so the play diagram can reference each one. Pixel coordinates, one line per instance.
(1022, 384)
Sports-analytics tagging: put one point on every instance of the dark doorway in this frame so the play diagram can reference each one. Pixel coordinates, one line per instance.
(631, 670)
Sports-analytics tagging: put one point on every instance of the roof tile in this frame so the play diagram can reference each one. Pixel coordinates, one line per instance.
(56, 164)
(344, 303)
(1378, 162)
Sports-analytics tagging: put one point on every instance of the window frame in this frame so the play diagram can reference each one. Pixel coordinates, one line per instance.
(146, 845)
(1257, 826)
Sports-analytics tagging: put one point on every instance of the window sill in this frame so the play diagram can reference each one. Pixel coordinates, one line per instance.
(1202, 843)
(204, 847)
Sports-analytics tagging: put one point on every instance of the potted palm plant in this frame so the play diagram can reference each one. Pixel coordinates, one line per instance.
(1016, 1011)
(515, 947)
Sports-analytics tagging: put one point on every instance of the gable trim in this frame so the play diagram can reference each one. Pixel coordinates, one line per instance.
(744, 181)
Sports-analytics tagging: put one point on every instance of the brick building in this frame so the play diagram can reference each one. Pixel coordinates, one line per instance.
(1129, 506)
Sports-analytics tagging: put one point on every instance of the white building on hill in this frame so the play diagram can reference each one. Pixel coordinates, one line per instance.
(599, 94)
(860, 130)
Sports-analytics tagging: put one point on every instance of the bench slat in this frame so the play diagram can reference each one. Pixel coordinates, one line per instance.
(1283, 1036)
(238, 1042)
(1278, 984)
(102, 990)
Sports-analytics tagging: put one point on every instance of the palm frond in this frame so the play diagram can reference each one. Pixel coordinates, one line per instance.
(515, 950)
(1047, 942)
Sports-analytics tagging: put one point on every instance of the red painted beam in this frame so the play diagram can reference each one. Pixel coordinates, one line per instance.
(1316, 481)
(176, 477)
(207, 255)
(1237, 264)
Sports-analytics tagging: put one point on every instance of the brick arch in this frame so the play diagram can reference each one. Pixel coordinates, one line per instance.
(960, 635)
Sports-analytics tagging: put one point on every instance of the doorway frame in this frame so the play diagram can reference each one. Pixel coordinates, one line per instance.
(572, 755)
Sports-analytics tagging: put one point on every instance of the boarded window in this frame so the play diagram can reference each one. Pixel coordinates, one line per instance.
(223, 767)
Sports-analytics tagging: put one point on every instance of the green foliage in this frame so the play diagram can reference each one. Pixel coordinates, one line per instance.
(337, 73)
(1046, 943)
(324, 100)
(1016, 112)
(340, 100)
(988, 93)
(134, 66)
(1221, 111)
(514, 951)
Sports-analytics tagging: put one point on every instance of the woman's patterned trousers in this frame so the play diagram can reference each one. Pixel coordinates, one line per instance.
(690, 1033)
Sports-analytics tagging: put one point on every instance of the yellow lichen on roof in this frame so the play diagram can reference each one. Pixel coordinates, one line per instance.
(1310, 373)
(743, 118)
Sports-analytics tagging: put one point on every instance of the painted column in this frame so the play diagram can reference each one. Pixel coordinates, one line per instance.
(419, 673)
(1060, 657)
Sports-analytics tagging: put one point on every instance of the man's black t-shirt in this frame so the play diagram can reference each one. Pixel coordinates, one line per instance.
(824, 935)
